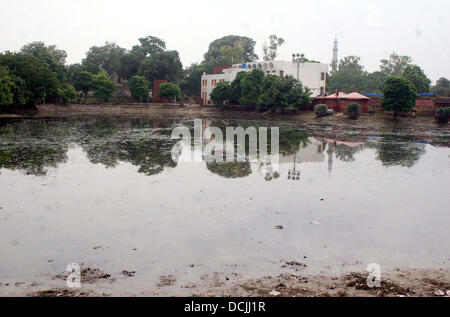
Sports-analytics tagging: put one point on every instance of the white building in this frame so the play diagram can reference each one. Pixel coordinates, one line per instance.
(311, 75)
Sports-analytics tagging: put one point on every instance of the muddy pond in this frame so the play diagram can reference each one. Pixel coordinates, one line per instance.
(105, 191)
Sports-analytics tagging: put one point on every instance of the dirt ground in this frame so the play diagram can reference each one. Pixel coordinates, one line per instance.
(397, 283)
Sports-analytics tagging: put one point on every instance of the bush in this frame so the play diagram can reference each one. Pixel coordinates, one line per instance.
(353, 111)
(170, 91)
(443, 115)
(321, 110)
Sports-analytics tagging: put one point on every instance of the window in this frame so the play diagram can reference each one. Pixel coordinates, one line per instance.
(322, 76)
(282, 73)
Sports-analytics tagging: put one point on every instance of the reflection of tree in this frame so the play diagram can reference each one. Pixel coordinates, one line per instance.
(33, 145)
(346, 153)
(150, 155)
(230, 170)
(291, 140)
(398, 150)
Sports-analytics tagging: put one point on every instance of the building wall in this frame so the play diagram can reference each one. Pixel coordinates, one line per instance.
(311, 75)
(341, 104)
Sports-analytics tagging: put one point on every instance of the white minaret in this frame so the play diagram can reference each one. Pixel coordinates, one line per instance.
(334, 62)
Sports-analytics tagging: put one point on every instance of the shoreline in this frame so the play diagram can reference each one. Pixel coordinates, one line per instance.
(376, 120)
(394, 283)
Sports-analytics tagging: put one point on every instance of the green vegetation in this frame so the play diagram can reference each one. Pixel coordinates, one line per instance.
(442, 87)
(351, 75)
(271, 50)
(221, 93)
(104, 87)
(67, 93)
(170, 91)
(139, 88)
(353, 111)
(6, 88)
(443, 115)
(269, 92)
(399, 95)
(84, 83)
(321, 111)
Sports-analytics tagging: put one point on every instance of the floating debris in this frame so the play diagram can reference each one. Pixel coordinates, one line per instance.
(274, 293)
(279, 227)
(315, 223)
(439, 293)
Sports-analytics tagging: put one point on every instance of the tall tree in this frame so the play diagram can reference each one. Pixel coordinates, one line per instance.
(395, 65)
(165, 66)
(349, 77)
(34, 81)
(104, 87)
(83, 82)
(442, 87)
(417, 76)
(107, 57)
(251, 87)
(399, 95)
(139, 87)
(6, 88)
(248, 45)
(271, 50)
(51, 55)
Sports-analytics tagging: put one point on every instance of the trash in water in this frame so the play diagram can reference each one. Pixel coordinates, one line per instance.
(439, 293)
(279, 227)
(274, 293)
(315, 223)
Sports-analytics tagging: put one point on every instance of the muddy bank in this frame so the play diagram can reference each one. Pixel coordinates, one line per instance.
(397, 283)
(195, 111)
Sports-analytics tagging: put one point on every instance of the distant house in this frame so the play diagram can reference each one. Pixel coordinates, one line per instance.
(340, 101)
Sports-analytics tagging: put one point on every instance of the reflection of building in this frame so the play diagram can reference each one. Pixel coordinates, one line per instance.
(312, 153)
(311, 75)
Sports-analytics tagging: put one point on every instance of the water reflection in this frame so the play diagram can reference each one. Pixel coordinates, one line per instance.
(35, 146)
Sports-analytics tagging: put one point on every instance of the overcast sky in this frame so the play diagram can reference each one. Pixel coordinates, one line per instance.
(369, 29)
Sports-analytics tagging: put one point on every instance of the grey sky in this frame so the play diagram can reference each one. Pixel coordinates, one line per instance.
(370, 29)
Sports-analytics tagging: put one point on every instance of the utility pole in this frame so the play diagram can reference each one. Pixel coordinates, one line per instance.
(299, 59)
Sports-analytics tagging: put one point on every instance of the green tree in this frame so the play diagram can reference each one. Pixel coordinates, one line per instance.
(104, 87)
(248, 48)
(139, 87)
(399, 95)
(6, 88)
(271, 50)
(34, 82)
(236, 88)
(132, 60)
(349, 77)
(375, 83)
(84, 83)
(66, 93)
(293, 95)
(221, 93)
(107, 57)
(442, 87)
(162, 66)
(51, 55)
(395, 65)
(417, 76)
(170, 91)
(251, 87)
(190, 85)
(270, 94)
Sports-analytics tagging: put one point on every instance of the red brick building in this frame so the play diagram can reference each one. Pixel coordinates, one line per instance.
(340, 101)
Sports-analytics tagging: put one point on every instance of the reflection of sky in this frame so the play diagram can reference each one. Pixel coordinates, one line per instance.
(394, 216)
